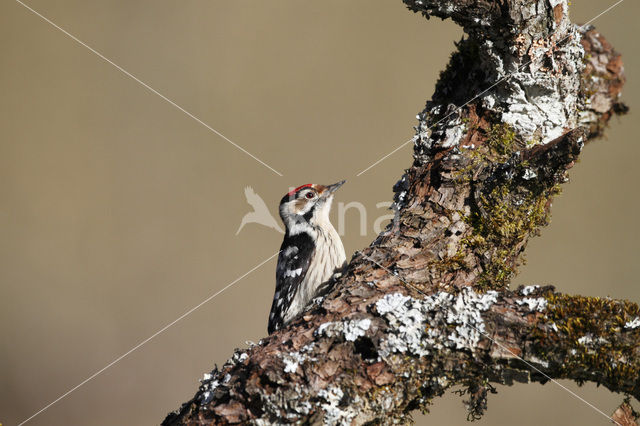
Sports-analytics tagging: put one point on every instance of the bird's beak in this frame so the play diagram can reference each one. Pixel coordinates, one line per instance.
(333, 188)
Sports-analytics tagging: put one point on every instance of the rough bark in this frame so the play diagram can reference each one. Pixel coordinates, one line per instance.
(427, 306)
(625, 415)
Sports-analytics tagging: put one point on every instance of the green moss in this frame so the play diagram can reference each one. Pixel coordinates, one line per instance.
(612, 360)
(506, 212)
(450, 263)
(502, 142)
(581, 315)
(504, 219)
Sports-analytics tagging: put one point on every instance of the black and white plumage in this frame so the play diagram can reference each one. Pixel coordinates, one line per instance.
(311, 252)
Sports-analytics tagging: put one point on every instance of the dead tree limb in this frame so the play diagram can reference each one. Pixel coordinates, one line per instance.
(426, 306)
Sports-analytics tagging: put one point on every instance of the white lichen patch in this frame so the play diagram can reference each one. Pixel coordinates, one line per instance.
(329, 329)
(207, 386)
(538, 100)
(418, 325)
(589, 340)
(538, 304)
(356, 328)
(422, 138)
(449, 133)
(294, 359)
(535, 106)
(529, 289)
(585, 339)
(350, 329)
(442, 381)
(292, 403)
(453, 134)
(466, 312)
(535, 360)
(633, 324)
(392, 303)
(401, 196)
(239, 357)
(406, 318)
(333, 413)
(529, 174)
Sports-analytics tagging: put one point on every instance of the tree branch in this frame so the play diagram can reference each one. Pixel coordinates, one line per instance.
(426, 306)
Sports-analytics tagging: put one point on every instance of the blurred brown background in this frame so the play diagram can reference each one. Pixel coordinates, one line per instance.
(118, 212)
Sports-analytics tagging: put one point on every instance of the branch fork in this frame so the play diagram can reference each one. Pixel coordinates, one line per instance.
(427, 306)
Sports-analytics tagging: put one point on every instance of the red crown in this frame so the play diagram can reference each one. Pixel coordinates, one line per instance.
(290, 193)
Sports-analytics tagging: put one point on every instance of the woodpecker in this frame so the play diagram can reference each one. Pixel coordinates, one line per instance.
(311, 252)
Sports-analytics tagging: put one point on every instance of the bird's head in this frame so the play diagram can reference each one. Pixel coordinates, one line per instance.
(307, 205)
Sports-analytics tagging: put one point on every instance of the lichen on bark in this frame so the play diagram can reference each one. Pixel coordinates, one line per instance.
(427, 306)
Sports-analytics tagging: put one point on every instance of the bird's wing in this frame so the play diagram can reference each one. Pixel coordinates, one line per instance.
(293, 263)
(255, 200)
(264, 215)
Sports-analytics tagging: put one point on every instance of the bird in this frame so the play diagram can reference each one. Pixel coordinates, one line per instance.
(311, 252)
(260, 213)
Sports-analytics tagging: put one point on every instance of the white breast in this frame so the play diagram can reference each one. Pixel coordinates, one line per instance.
(328, 257)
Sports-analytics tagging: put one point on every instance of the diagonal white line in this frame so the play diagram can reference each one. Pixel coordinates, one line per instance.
(602, 13)
(136, 347)
(146, 86)
(506, 77)
(575, 395)
(386, 156)
(499, 344)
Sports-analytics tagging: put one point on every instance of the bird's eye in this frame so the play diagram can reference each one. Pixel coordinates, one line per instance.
(309, 195)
